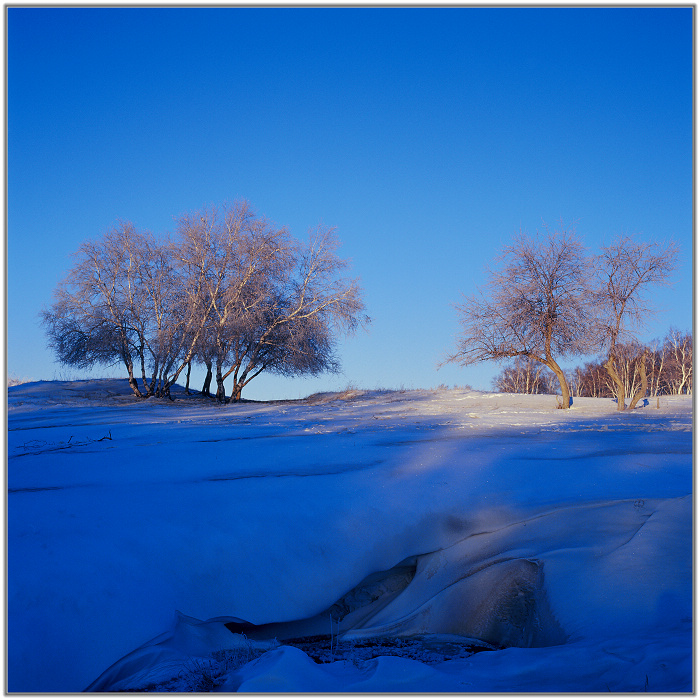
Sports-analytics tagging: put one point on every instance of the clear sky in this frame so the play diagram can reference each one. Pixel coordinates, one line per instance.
(427, 136)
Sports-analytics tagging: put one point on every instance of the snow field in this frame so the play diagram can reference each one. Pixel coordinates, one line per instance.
(270, 513)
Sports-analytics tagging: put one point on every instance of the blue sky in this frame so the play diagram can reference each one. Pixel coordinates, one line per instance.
(427, 136)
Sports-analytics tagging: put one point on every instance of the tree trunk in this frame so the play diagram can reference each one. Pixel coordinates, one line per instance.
(187, 382)
(149, 388)
(159, 388)
(207, 381)
(167, 383)
(220, 391)
(132, 382)
(644, 384)
(683, 378)
(565, 394)
(660, 371)
(242, 381)
(619, 386)
(236, 393)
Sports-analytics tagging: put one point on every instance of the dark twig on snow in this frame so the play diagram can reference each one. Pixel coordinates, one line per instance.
(38, 446)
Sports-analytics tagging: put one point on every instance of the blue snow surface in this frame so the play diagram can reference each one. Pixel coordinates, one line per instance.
(136, 528)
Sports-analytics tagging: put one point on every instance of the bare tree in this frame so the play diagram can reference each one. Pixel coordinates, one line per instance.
(656, 359)
(679, 374)
(537, 304)
(522, 376)
(94, 318)
(668, 367)
(227, 263)
(631, 365)
(124, 301)
(268, 302)
(162, 316)
(593, 381)
(291, 329)
(626, 269)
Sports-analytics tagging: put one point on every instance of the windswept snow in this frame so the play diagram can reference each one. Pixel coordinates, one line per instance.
(560, 538)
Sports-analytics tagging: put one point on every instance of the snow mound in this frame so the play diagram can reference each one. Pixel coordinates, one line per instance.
(93, 391)
(491, 588)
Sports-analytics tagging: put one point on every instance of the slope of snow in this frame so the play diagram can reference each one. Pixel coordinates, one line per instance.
(565, 533)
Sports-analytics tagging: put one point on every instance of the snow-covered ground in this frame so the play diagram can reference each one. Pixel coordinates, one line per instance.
(151, 542)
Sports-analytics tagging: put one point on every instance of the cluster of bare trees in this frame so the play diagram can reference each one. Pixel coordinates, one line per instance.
(548, 299)
(227, 289)
(668, 367)
(525, 376)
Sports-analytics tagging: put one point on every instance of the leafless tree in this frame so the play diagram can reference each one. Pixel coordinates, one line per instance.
(668, 366)
(124, 301)
(592, 380)
(269, 303)
(537, 305)
(292, 327)
(656, 360)
(521, 376)
(626, 269)
(679, 371)
(632, 365)
(227, 266)
(94, 318)
(165, 317)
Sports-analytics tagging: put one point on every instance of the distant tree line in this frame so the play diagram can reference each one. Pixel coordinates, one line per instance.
(547, 298)
(668, 366)
(227, 290)
(525, 376)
